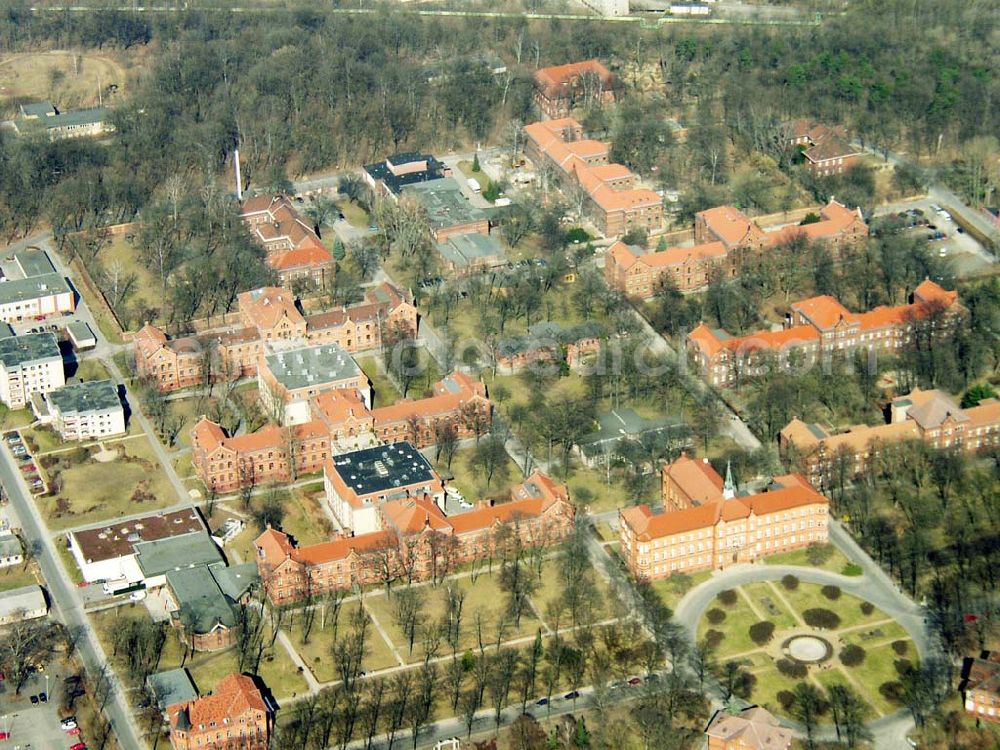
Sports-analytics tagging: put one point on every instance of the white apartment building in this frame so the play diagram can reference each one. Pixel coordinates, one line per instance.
(83, 411)
(29, 364)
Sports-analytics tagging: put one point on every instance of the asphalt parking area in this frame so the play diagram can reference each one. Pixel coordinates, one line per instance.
(32, 726)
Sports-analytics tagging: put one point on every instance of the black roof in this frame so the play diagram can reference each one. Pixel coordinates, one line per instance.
(383, 467)
(395, 183)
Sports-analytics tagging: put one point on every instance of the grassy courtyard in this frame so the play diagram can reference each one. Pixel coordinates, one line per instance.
(91, 491)
(385, 392)
(276, 669)
(16, 576)
(470, 479)
(874, 631)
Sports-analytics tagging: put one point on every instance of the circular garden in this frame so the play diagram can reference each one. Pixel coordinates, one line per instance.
(779, 633)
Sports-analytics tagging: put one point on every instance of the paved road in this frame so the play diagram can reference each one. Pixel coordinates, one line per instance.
(66, 601)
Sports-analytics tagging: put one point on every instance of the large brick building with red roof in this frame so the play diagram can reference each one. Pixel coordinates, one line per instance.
(725, 240)
(268, 316)
(234, 717)
(930, 416)
(415, 540)
(294, 250)
(559, 88)
(821, 326)
(612, 197)
(705, 524)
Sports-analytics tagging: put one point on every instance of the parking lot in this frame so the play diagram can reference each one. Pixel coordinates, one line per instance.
(25, 462)
(965, 255)
(34, 725)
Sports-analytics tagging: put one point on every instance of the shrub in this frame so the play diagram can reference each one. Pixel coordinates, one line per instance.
(577, 235)
(852, 569)
(786, 699)
(790, 582)
(715, 616)
(867, 608)
(852, 655)
(743, 687)
(900, 647)
(817, 554)
(793, 669)
(761, 632)
(821, 618)
(727, 597)
(891, 691)
(713, 638)
(831, 592)
(904, 667)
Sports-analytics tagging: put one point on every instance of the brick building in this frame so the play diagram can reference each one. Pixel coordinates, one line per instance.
(340, 421)
(706, 524)
(289, 378)
(821, 326)
(726, 239)
(980, 686)
(826, 149)
(929, 416)
(234, 717)
(294, 250)
(414, 539)
(269, 316)
(560, 88)
(609, 191)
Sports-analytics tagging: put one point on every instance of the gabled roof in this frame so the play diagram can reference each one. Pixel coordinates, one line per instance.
(934, 409)
(753, 728)
(730, 225)
(264, 307)
(696, 478)
(413, 515)
(823, 312)
(235, 696)
(300, 257)
(830, 148)
(555, 81)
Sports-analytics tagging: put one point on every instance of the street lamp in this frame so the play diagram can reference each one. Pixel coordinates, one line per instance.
(47, 696)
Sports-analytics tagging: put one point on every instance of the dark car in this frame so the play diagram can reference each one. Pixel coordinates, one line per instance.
(634, 681)
(542, 702)
(34, 700)
(572, 695)
(43, 697)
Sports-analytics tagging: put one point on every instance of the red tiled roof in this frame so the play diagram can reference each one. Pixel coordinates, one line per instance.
(696, 478)
(300, 257)
(412, 515)
(266, 306)
(555, 79)
(234, 696)
(730, 224)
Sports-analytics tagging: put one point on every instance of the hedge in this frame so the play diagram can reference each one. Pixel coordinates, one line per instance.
(891, 691)
(790, 582)
(761, 632)
(817, 554)
(821, 618)
(904, 667)
(867, 608)
(900, 647)
(713, 638)
(786, 698)
(852, 655)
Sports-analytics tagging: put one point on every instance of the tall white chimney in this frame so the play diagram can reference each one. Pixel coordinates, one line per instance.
(239, 181)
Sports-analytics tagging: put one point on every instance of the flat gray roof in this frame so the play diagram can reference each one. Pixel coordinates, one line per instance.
(312, 365)
(32, 347)
(28, 598)
(20, 290)
(10, 546)
(444, 203)
(34, 263)
(465, 249)
(176, 553)
(80, 332)
(172, 686)
(80, 398)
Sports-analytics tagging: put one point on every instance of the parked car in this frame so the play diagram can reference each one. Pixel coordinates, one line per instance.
(73, 731)
(634, 681)
(137, 596)
(78, 746)
(68, 723)
(43, 697)
(572, 695)
(34, 700)
(542, 702)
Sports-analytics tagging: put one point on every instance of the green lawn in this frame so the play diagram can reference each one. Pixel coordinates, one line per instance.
(318, 652)
(593, 482)
(42, 439)
(16, 576)
(769, 683)
(758, 593)
(876, 634)
(93, 491)
(147, 291)
(735, 628)
(483, 597)
(183, 467)
(355, 215)
(808, 596)
(835, 564)
(304, 519)
(385, 392)
(188, 411)
(470, 480)
(68, 561)
(673, 589)
(276, 670)
(877, 668)
(91, 369)
(550, 589)
(12, 420)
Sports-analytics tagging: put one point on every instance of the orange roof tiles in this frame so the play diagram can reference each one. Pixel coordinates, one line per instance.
(341, 549)
(207, 434)
(695, 478)
(648, 525)
(823, 311)
(300, 257)
(233, 697)
(338, 405)
(412, 515)
(485, 516)
(555, 80)
(676, 256)
(608, 172)
(267, 305)
(730, 224)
